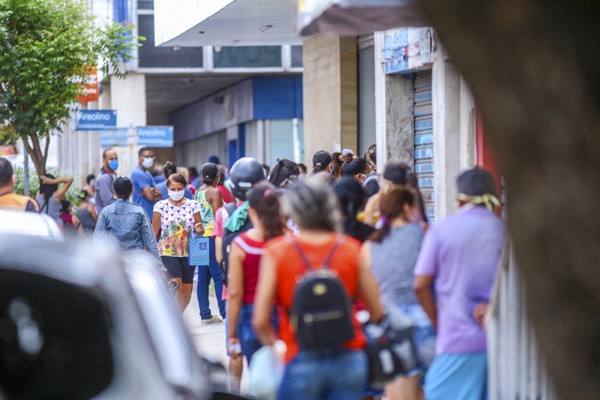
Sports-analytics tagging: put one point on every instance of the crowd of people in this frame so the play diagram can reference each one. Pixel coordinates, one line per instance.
(268, 228)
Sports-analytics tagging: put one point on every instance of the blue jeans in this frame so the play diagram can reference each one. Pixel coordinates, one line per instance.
(248, 340)
(204, 275)
(330, 374)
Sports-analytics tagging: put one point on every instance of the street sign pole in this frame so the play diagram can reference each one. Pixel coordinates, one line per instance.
(26, 171)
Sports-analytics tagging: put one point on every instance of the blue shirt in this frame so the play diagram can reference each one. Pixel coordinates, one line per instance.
(140, 180)
(187, 193)
(128, 223)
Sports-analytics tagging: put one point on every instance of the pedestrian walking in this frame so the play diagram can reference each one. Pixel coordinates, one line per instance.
(52, 191)
(391, 253)
(8, 199)
(336, 371)
(210, 201)
(459, 260)
(169, 169)
(174, 222)
(86, 212)
(126, 222)
(244, 259)
(145, 192)
(104, 195)
(245, 173)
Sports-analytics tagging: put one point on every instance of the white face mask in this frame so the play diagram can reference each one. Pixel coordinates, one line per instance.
(147, 162)
(176, 195)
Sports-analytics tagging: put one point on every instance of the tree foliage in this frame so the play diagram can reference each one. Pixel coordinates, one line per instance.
(47, 48)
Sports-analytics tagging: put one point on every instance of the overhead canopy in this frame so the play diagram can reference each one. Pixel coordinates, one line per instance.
(355, 17)
(225, 23)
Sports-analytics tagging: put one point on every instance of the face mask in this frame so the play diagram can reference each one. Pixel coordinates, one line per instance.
(331, 170)
(147, 162)
(176, 195)
(113, 165)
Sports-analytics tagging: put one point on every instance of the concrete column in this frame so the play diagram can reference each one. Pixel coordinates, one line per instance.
(330, 93)
(400, 126)
(128, 97)
(447, 133)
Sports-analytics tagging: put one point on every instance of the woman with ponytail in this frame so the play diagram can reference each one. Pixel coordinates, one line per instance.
(391, 253)
(244, 259)
(351, 198)
(322, 162)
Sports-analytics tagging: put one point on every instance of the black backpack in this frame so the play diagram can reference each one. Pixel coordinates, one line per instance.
(228, 237)
(321, 312)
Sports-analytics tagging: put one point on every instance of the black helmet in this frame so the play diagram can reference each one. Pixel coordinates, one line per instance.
(243, 175)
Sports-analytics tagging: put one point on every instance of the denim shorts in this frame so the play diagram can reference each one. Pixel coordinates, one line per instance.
(332, 374)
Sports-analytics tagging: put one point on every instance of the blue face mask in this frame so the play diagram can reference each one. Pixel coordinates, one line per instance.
(331, 170)
(113, 165)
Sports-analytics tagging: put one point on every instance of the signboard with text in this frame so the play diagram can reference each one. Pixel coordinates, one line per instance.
(96, 120)
(155, 136)
(91, 87)
(151, 136)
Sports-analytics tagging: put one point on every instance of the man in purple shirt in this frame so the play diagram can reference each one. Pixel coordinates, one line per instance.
(458, 262)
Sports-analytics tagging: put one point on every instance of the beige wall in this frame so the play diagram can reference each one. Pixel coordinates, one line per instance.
(330, 82)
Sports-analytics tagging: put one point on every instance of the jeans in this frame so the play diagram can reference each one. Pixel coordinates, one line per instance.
(329, 374)
(204, 274)
(248, 340)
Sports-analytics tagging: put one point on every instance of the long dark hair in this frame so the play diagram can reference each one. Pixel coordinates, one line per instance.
(263, 198)
(48, 190)
(351, 198)
(321, 160)
(354, 166)
(392, 206)
(282, 171)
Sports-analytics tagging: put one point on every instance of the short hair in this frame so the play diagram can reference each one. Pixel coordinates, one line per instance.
(176, 178)
(397, 172)
(143, 149)
(122, 187)
(214, 159)
(89, 178)
(106, 151)
(6, 172)
(311, 204)
(209, 173)
(476, 182)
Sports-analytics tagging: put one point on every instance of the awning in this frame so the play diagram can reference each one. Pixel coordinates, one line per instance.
(356, 17)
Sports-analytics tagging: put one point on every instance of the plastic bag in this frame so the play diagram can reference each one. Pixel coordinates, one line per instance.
(266, 371)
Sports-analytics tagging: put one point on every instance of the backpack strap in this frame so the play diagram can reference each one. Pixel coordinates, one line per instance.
(327, 259)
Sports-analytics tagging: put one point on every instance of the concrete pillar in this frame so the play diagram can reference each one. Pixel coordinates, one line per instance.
(446, 83)
(330, 83)
(400, 125)
(128, 97)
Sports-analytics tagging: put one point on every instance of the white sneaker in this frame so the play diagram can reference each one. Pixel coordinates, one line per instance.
(212, 320)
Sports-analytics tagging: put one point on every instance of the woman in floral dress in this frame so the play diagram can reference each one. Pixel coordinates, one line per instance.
(175, 218)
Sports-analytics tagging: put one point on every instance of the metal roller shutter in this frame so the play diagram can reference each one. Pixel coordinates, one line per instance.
(424, 140)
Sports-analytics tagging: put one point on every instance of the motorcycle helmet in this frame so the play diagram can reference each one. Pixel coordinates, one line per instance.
(244, 173)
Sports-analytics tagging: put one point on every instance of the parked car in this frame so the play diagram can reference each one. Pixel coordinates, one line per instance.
(30, 223)
(87, 320)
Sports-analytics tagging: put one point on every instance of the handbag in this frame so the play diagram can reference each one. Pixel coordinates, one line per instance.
(391, 349)
(199, 250)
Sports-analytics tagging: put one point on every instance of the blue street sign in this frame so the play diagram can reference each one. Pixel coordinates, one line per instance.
(114, 138)
(96, 120)
(155, 136)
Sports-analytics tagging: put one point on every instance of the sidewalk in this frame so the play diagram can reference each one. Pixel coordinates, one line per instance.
(209, 339)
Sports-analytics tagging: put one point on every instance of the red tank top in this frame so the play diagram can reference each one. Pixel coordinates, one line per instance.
(253, 251)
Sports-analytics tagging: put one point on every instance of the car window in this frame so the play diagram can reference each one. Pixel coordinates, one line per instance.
(55, 339)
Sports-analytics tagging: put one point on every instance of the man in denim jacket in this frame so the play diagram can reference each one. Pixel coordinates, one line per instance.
(125, 221)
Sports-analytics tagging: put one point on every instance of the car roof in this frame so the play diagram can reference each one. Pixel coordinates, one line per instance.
(29, 223)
